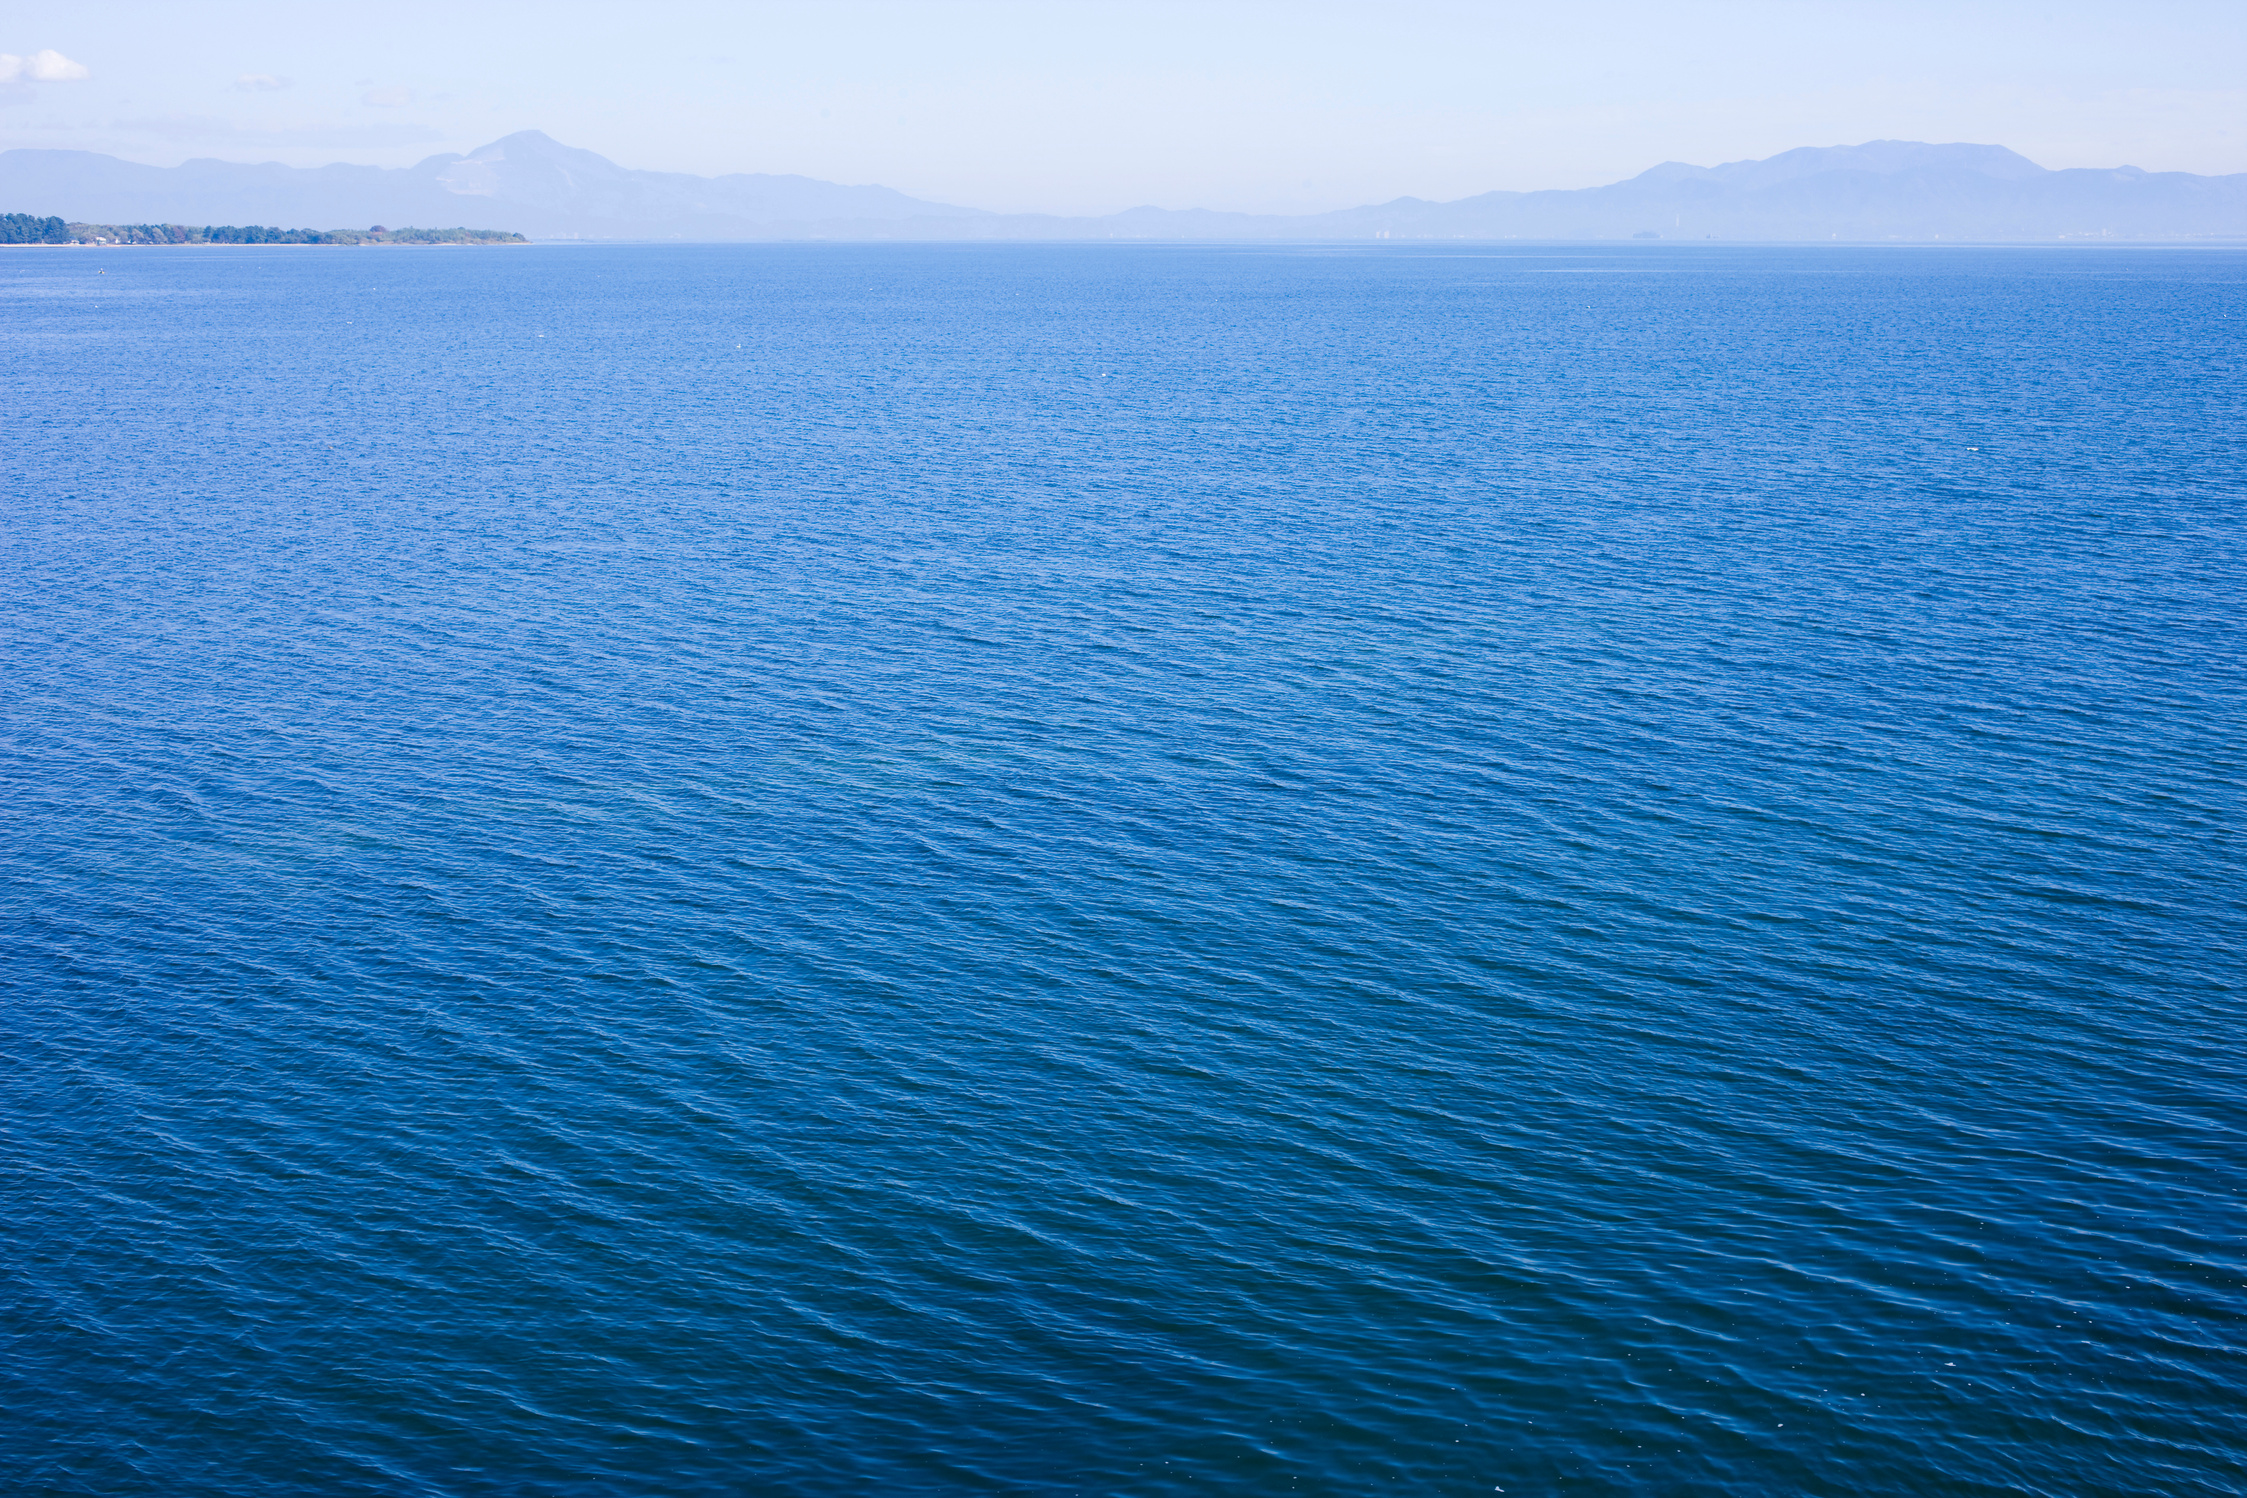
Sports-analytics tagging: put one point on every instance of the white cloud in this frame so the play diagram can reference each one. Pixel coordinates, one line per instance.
(387, 98)
(46, 66)
(258, 83)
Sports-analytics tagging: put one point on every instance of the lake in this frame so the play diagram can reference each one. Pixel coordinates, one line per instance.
(1123, 870)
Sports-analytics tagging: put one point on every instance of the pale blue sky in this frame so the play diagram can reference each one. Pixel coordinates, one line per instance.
(1086, 106)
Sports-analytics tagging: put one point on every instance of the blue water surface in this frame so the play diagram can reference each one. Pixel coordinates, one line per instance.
(1123, 870)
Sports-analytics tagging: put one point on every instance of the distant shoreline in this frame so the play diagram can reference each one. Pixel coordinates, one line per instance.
(290, 244)
(24, 229)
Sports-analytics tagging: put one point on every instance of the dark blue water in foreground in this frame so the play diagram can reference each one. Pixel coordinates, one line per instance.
(1123, 871)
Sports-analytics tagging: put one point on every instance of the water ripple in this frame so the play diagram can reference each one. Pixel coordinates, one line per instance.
(1123, 871)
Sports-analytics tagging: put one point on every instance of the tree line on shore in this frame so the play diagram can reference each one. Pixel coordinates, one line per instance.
(26, 228)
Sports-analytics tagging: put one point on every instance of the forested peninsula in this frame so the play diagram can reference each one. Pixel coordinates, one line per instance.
(26, 228)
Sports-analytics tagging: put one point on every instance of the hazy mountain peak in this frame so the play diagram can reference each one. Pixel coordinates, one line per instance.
(534, 184)
(1672, 171)
(1882, 158)
(537, 145)
(532, 166)
(528, 139)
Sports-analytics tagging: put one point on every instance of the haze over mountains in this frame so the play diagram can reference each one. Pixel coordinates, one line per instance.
(528, 182)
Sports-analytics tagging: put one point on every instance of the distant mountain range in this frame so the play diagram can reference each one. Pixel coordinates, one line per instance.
(528, 182)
